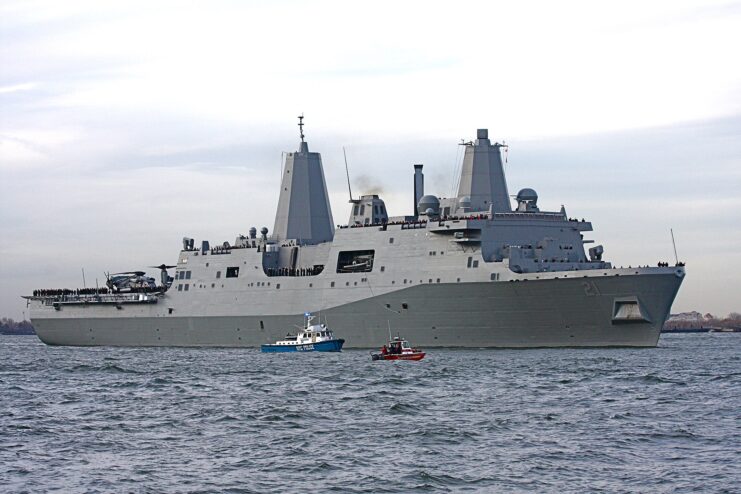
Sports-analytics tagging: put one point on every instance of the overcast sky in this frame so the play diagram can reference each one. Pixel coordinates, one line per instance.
(126, 126)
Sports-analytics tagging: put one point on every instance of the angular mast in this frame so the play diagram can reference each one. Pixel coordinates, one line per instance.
(482, 175)
(304, 213)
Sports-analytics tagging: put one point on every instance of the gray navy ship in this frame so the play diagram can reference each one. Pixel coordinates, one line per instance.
(474, 270)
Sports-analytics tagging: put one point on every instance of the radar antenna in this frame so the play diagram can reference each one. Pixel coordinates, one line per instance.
(347, 171)
(301, 126)
(676, 259)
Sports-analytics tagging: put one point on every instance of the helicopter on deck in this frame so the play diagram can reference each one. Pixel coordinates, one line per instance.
(130, 281)
(137, 281)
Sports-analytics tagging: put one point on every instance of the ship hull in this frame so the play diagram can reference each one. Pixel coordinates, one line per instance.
(522, 313)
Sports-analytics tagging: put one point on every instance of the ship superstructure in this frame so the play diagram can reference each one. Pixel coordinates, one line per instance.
(464, 271)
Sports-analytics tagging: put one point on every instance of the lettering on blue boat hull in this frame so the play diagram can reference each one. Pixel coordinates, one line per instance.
(324, 346)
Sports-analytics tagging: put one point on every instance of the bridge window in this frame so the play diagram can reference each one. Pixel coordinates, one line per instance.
(218, 274)
(232, 272)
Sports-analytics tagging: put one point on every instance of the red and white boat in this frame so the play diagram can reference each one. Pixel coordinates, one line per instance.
(398, 349)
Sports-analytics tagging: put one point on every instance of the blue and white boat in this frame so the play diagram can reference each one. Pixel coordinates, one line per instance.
(311, 338)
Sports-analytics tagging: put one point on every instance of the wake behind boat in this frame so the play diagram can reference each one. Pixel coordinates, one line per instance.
(311, 338)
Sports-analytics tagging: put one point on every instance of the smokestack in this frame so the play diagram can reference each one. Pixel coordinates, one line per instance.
(419, 187)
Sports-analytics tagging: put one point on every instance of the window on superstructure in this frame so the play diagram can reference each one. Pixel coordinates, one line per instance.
(180, 287)
(232, 272)
(218, 274)
(186, 287)
(187, 275)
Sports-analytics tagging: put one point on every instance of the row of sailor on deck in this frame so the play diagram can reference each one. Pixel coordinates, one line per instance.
(312, 271)
(56, 292)
(418, 222)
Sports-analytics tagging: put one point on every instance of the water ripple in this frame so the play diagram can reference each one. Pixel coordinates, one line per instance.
(227, 420)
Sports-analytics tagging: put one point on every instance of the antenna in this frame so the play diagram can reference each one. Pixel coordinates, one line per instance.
(676, 259)
(389, 324)
(83, 278)
(347, 171)
(301, 126)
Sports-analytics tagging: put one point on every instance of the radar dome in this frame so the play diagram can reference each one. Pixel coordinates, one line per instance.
(429, 202)
(527, 195)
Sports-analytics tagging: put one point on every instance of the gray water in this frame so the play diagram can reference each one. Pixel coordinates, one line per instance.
(225, 420)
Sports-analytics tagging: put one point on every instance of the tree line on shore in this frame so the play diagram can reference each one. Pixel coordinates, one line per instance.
(9, 326)
(732, 320)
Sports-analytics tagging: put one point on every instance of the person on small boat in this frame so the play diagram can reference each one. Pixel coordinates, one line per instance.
(384, 350)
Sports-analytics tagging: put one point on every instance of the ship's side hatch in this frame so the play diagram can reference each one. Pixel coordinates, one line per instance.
(355, 261)
(626, 310)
